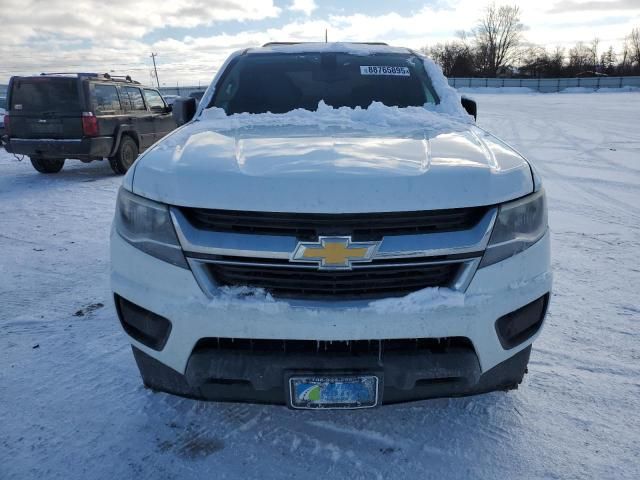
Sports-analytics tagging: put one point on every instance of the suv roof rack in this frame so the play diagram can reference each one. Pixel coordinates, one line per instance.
(120, 78)
(106, 76)
(79, 74)
(274, 44)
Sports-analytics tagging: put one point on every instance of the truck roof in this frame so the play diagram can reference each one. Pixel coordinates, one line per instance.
(356, 48)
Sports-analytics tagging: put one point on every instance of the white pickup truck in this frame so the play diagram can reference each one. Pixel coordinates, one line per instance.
(330, 229)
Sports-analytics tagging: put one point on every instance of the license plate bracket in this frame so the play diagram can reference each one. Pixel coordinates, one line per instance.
(333, 391)
(49, 127)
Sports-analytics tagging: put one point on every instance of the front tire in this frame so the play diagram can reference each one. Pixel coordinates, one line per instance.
(125, 156)
(47, 165)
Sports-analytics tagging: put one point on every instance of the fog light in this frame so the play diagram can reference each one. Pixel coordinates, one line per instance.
(144, 326)
(522, 324)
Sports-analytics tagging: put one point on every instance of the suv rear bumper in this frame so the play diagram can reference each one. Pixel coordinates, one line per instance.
(82, 148)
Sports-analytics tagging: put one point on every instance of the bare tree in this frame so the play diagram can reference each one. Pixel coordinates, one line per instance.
(557, 60)
(594, 53)
(497, 36)
(622, 65)
(634, 46)
(497, 42)
(580, 58)
(536, 61)
(608, 61)
(455, 58)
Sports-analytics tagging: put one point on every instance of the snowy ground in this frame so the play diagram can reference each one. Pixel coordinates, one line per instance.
(72, 405)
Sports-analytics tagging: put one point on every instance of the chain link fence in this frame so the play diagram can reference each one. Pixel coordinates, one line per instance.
(181, 91)
(546, 85)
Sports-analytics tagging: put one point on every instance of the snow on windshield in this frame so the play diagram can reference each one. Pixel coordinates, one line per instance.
(377, 117)
(448, 113)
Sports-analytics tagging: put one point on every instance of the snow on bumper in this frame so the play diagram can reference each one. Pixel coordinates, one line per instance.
(173, 293)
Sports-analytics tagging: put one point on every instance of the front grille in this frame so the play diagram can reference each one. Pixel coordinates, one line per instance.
(328, 347)
(359, 283)
(360, 226)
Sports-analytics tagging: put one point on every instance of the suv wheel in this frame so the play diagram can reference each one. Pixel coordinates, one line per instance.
(125, 156)
(47, 165)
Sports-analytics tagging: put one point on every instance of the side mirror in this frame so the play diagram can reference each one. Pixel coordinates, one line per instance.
(470, 106)
(184, 110)
(167, 109)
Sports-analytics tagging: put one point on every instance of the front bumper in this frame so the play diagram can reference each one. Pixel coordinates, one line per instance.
(402, 378)
(173, 293)
(81, 149)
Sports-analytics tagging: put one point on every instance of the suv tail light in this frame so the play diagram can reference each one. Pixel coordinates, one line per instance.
(6, 124)
(89, 124)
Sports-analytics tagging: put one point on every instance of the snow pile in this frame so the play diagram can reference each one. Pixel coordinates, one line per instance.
(246, 297)
(420, 301)
(618, 89)
(450, 102)
(577, 90)
(600, 90)
(426, 299)
(519, 90)
(527, 90)
(377, 117)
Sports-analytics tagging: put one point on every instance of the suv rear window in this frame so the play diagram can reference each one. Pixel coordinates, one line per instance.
(40, 95)
(105, 98)
(281, 82)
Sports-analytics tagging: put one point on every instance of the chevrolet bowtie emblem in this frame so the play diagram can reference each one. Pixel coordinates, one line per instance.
(334, 253)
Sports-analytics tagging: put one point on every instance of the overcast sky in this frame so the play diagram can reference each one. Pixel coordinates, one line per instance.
(192, 37)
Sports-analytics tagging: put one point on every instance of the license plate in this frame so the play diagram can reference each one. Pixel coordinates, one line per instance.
(348, 391)
(46, 128)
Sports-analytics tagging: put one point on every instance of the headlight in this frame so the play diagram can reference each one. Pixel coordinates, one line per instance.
(147, 225)
(519, 225)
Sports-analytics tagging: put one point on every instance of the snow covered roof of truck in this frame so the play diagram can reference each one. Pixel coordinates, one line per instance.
(355, 48)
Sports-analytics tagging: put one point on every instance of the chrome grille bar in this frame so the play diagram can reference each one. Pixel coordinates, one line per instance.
(225, 244)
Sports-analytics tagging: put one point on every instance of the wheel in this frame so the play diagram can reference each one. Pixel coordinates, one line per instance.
(47, 165)
(125, 156)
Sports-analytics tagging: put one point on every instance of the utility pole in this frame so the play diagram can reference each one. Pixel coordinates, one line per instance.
(326, 35)
(153, 57)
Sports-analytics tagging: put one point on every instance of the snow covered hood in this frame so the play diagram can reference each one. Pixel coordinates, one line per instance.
(333, 160)
(340, 160)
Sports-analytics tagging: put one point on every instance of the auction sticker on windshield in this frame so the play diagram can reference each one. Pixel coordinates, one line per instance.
(384, 70)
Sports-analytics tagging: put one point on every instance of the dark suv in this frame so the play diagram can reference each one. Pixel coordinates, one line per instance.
(3, 105)
(86, 116)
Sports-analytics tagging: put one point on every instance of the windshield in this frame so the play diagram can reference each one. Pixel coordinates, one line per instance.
(278, 83)
(46, 94)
